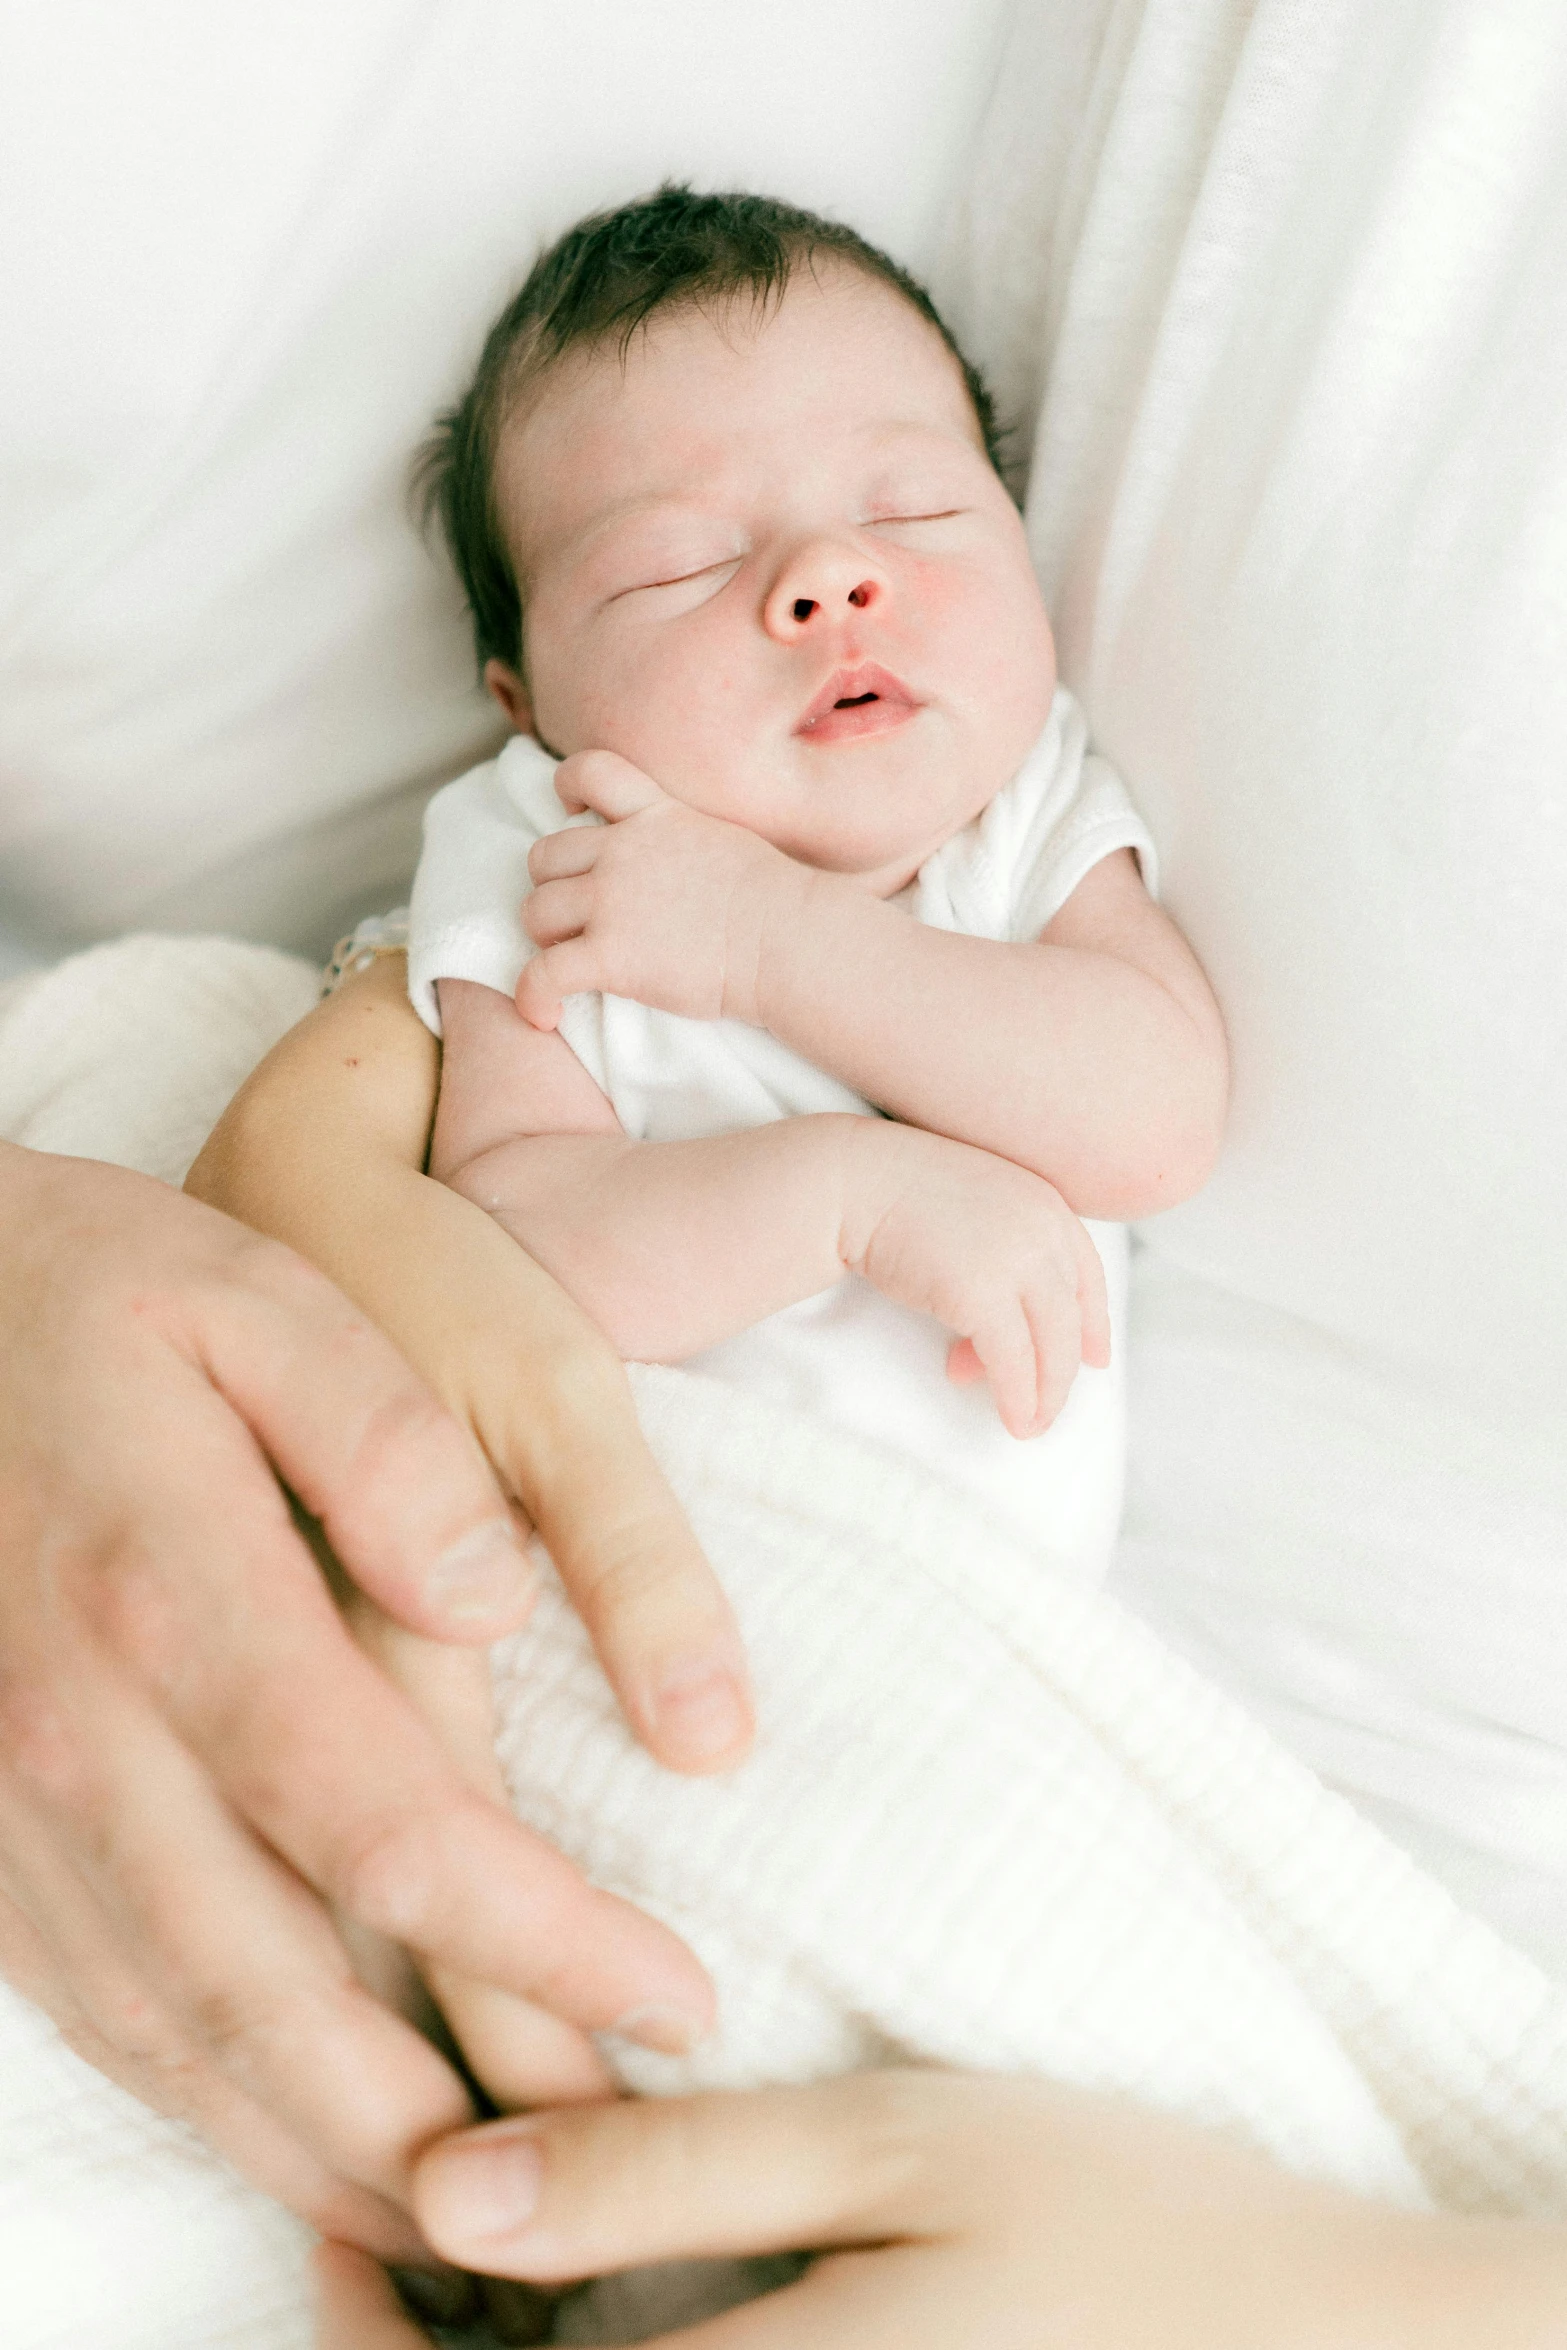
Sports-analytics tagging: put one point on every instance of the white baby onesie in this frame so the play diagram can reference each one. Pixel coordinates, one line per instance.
(846, 1355)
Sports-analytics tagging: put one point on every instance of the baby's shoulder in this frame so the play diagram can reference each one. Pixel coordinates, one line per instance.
(977, 880)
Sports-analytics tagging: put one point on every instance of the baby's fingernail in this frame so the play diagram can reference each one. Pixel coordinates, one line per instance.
(670, 2031)
(700, 1709)
(485, 1573)
(475, 2189)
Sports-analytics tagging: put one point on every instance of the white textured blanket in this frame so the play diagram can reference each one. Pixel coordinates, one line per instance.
(989, 1822)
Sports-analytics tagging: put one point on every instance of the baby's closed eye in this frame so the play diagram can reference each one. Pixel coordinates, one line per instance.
(917, 528)
(678, 591)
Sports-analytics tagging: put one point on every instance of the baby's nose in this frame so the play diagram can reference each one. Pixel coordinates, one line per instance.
(860, 596)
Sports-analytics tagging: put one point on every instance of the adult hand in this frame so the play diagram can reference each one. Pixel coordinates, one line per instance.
(953, 2208)
(195, 1758)
(323, 1148)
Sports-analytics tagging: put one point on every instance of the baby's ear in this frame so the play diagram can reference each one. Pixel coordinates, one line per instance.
(513, 696)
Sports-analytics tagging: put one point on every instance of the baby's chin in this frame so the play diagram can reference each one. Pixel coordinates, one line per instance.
(882, 862)
(886, 849)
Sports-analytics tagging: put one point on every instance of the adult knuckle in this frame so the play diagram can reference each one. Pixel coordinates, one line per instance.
(385, 1876)
(164, 2079)
(136, 1612)
(84, 2039)
(623, 1576)
(139, 2028)
(288, 1279)
(889, 2146)
(398, 1429)
(42, 1749)
(232, 2020)
(253, 1275)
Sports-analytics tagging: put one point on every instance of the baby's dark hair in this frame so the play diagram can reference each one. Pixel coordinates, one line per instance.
(600, 283)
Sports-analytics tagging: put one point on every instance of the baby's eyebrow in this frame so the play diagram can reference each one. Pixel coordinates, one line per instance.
(608, 518)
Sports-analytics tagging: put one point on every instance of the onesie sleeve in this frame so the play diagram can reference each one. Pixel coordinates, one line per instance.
(465, 917)
(1099, 820)
(1010, 873)
(1070, 811)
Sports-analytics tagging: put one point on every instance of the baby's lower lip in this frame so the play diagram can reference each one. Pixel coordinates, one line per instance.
(852, 721)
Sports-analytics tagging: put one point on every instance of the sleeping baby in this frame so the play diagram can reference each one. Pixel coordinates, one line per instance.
(806, 1015)
(799, 979)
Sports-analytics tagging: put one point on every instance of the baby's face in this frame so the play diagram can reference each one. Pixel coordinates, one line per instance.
(768, 562)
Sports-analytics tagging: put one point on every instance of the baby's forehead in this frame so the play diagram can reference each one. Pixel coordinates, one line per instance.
(837, 357)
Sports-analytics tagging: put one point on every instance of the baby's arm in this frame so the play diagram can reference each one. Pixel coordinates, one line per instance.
(671, 1247)
(1094, 1055)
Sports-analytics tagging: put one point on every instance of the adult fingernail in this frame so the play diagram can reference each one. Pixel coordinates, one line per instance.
(700, 1709)
(671, 2031)
(484, 1573)
(478, 2188)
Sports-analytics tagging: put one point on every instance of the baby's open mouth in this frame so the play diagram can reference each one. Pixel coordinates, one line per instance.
(855, 702)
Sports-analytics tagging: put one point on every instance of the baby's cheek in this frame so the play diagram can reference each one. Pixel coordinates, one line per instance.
(681, 719)
(1012, 657)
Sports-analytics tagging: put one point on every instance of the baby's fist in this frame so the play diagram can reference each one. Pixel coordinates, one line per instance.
(658, 902)
(992, 1251)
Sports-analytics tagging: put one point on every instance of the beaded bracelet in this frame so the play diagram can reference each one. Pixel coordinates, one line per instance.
(376, 935)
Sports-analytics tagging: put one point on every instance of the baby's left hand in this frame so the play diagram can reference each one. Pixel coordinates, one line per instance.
(659, 903)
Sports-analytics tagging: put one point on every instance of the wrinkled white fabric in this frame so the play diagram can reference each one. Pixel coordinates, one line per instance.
(251, 251)
(990, 1821)
(1279, 285)
(848, 1356)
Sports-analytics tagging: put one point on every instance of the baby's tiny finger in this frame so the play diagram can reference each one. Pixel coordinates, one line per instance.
(560, 854)
(537, 1001)
(1056, 1329)
(558, 910)
(1093, 1303)
(1006, 1348)
(964, 1367)
(569, 968)
(606, 783)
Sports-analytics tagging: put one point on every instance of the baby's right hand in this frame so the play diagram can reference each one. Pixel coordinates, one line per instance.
(992, 1251)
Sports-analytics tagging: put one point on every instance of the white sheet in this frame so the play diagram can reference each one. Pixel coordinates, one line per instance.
(1280, 289)
(251, 250)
